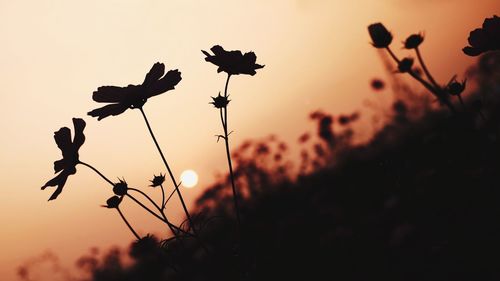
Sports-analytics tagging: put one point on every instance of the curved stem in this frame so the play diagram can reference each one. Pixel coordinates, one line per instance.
(424, 67)
(168, 169)
(226, 140)
(392, 54)
(461, 101)
(97, 171)
(162, 197)
(170, 196)
(147, 197)
(170, 225)
(128, 224)
(437, 92)
(145, 207)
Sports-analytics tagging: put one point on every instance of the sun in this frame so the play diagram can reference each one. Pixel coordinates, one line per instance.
(189, 178)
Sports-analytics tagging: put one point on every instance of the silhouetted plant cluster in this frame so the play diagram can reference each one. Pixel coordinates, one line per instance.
(416, 202)
(118, 100)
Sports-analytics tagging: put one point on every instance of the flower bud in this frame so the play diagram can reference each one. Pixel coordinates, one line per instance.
(220, 101)
(113, 202)
(405, 65)
(120, 188)
(413, 41)
(455, 88)
(381, 37)
(157, 180)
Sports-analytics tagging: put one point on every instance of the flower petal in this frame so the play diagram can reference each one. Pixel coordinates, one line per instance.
(79, 137)
(154, 74)
(59, 165)
(115, 94)
(59, 181)
(470, 51)
(168, 82)
(108, 110)
(63, 139)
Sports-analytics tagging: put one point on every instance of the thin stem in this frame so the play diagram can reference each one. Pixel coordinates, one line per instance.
(145, 195)
(437, 92)
(162, 197)
(461, 101)
(170, 196)
(226, 140)
(128, 224)
(145, 207)
(170, 225)
(168, 169)
(392, 54)
(97, 171)
(424, 67)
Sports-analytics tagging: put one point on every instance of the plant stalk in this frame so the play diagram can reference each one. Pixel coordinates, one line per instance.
(169, 170)
(223, 114)
(128, 224)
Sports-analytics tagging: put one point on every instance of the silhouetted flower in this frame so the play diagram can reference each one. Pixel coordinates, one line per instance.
(233, 62)
(405, 65)
(381, 37)
(69, 149)
(134, 96)
(455, 88)
(413, 41)
(399, 107)
(147, 246)
(120, 188)
(325, 128)
(377, 84)
(484, 39)
(220, 101)
(157, 180)
(113, 202)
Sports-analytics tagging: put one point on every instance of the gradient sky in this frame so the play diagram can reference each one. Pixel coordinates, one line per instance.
(54, 54)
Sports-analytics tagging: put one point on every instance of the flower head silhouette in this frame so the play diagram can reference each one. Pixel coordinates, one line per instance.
(134, 96)
(69, 149)
(220, 101)
(381, 37)
(120, 188)
(413, 41)
(484, 39)
(405, 65)
(455, 88)
(113, 202)
(157, 180)
(233, 62)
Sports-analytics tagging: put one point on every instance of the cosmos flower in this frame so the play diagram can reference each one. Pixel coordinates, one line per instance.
(381, 37)
(220, 101)
(413, 41)
(484, 39)
(69, 149)
(233, 62)
(134, 96)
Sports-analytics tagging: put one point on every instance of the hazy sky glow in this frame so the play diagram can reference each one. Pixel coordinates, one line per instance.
(54, 54)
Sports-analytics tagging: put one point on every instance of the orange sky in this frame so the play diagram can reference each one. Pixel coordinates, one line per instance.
(54, 54)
